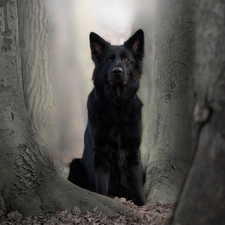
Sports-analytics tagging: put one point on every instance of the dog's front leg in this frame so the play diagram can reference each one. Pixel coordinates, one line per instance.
(102, 172)
(134, 167)
(136, 172)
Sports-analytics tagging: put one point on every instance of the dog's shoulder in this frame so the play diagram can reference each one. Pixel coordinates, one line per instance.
(138, 102)
(94, 106)
(136, 105)
(93, 100)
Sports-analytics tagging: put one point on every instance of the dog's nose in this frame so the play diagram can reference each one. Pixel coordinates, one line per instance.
(117, 70)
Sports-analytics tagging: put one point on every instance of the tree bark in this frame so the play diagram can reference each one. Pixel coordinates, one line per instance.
(203, 199)
(36, 70)
(30, 178)
(168, 152)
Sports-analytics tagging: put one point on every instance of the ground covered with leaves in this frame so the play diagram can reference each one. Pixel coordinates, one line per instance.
(151, 214)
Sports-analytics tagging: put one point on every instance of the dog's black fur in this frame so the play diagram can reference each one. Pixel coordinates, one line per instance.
(111, 163)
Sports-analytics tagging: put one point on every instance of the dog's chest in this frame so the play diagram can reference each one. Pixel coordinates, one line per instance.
(117, 115)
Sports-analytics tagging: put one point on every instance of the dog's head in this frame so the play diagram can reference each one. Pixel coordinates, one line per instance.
(117, 68)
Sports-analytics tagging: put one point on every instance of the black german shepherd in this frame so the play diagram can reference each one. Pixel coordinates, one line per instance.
(111, 163)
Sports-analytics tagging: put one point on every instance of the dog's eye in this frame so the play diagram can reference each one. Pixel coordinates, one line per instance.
(125, 59)
(109, 60)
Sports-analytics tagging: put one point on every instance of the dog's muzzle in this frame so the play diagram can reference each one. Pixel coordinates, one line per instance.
(117, 77)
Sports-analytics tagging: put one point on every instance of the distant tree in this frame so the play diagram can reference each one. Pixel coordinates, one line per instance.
(70, 84)
(167, 150)
(203, 199)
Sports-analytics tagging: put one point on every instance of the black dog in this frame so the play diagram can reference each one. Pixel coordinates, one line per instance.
(111, 163)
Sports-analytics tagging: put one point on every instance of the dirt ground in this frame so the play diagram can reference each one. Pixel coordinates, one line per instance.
(151, 214)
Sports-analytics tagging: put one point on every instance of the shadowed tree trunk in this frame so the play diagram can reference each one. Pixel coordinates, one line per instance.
(30, 178)
(167, 148)
(203, 199)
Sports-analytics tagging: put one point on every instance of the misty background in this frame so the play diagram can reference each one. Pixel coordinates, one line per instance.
(70, 23)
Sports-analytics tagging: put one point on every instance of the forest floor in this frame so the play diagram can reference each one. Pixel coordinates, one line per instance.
(151, 214)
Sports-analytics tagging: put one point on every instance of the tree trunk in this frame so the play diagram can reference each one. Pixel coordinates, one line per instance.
(168, 152)
(30, 178)
(36, 70)
(203, 199)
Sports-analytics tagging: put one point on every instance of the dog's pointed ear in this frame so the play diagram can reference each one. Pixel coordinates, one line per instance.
(136, 44)
(97, 44)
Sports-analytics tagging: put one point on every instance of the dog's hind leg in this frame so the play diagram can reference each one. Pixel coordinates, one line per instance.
(78, 173)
